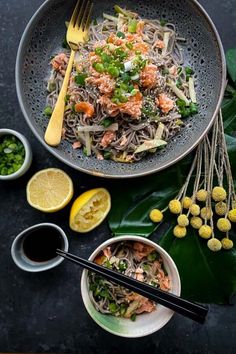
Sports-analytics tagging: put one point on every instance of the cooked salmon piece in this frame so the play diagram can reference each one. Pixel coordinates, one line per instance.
(148, 77)
(141, 250)
(145, 306)
(104, 82)
(100, 259)
(159, 44)
(115, 40)
(173, 70)
(59, 63)
(86, 108)
(132, 107)
(107, 138)
(140, 27)
(107, 252)
(142, 47)
(165, 283)
(76, 145)
(165, 103)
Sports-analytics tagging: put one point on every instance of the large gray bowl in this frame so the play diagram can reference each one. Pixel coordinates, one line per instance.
(203, 51)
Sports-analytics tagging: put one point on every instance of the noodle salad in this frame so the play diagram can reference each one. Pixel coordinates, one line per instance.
(134, 259)
(128, 91)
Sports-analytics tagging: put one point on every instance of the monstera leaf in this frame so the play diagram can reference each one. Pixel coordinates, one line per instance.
(206, 276)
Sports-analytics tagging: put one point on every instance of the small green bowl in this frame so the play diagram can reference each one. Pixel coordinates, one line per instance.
(144, 324)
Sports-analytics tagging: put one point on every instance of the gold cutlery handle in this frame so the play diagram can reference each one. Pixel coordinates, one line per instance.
(54, 129)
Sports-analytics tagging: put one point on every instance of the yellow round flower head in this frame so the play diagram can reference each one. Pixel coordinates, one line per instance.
(227, 244)
(206, 213)
(187, 202)
(223, 224)
(214, 244)
(205, 231)
(220, 208)
(196, 222)
(179, 231)
(183, 220)
(218, 194)
(232, 215)
(195, 209)
(175, 206)
(156, 215)
(201, 195)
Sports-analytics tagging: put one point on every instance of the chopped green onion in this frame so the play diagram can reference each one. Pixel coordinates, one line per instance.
(152, 256)
(133, 317)
(122, 266)
(165, 71)
(105, 58)
(115, 100)
(85, 151)
(67, 98)
(129, 45)
(188, 72)
(123, 309)
(146, 267)
(124, 86)
(113, 307)
(132, 26)
(107, 155)
(80, 79)
(163, 22)
(125, 77)
(179, 83)
(179, 70)
(107, 122)
(113, 71)
(47, 111)
(98, 50)
(134, 92)
(120, 34)
(99, 67)
(95, 22)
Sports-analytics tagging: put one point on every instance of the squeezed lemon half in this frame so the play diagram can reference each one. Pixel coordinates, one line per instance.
(49, 190)
(89, 210)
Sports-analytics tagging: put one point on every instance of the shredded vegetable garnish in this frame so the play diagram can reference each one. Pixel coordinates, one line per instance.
(131, 72)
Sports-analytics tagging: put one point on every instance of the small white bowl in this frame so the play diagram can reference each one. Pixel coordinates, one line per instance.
(28, 155)
(24, 263)
(144, 324)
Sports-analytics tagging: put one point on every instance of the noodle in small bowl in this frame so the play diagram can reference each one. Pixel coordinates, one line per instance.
(128, 320)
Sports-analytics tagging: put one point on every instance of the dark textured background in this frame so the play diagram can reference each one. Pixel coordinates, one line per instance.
(44, 312)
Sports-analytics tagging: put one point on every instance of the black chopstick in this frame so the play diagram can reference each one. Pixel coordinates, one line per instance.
(184, 307)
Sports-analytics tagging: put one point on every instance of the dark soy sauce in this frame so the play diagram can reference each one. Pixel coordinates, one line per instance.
(40, 245)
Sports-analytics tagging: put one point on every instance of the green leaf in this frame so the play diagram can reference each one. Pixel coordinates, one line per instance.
(229, 114)
(136, 201)
(231, 63)
(205, 276)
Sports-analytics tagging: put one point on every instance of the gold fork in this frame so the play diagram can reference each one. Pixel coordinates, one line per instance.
(77, 32)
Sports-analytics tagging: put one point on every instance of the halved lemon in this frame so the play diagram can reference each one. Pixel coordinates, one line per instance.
(49, 190)
(90, 209)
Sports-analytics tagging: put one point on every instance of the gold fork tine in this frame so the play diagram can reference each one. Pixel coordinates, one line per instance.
(78, 20)
(88, 18)
(75, 12)
(85, 14)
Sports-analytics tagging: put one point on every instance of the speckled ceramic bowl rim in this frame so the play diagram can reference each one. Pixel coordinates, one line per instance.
(117, 176)
(28, 154)
(159, 249)
(44, 265)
